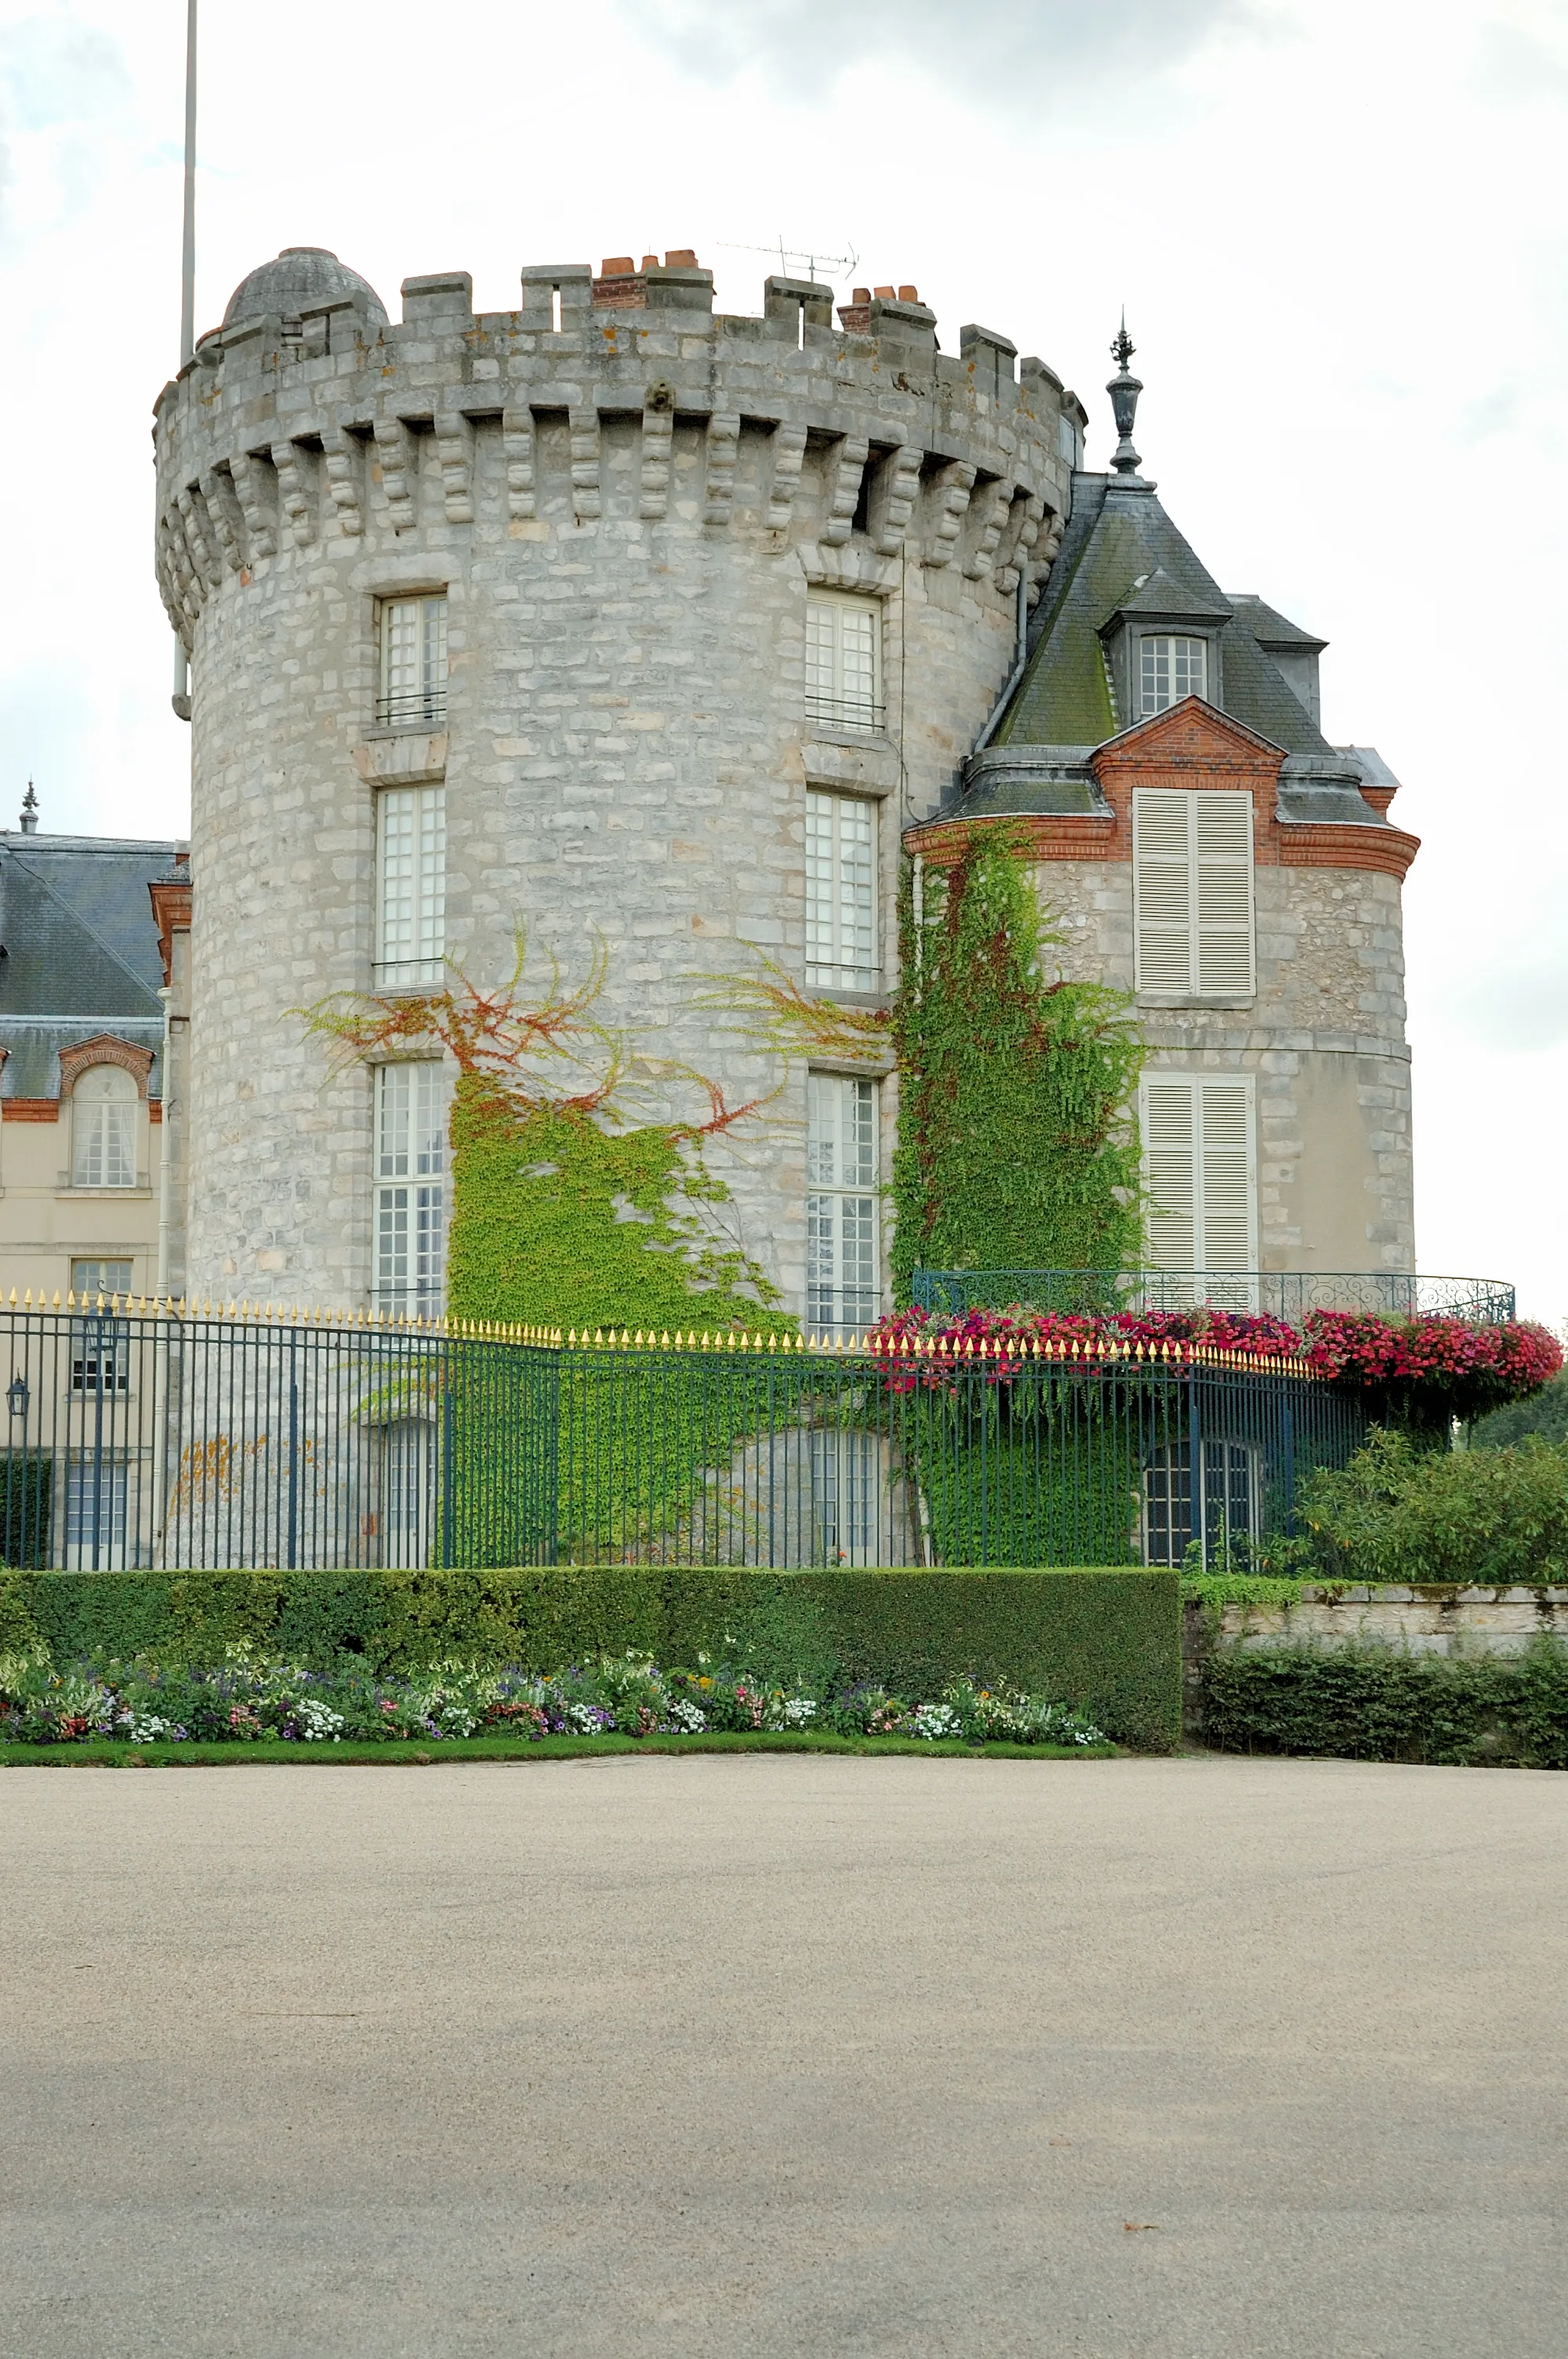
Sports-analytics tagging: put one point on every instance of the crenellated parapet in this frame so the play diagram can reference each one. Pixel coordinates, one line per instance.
(861, 448)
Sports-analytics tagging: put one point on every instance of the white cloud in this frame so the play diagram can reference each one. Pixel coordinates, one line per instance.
(1029, 54)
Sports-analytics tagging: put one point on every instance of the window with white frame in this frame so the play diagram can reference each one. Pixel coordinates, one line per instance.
(841, 892)
(408, 1491)
(410, 885)
(841, 1289)
(103, 1102)
(1192, 894)
(843, 661)
(100, 1343)
(1200, 1170)
(1229, 1507)
(89, 1280)
(96, 1498)
(1170, 669)
(410, 1187)
(413, 692)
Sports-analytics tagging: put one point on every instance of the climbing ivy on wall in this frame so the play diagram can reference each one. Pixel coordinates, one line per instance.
(566, 1210)
(1017, 1146)
(559, 1222)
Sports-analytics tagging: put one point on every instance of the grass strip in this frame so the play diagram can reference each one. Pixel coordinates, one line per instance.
(107, 1754)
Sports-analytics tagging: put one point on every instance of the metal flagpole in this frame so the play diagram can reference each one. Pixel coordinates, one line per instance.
(181, 699)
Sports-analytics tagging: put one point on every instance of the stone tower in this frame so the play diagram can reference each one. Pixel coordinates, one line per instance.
(646, 611)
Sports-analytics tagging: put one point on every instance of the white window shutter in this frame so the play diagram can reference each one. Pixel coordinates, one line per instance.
(1171, 1172)
(1228, 1190)
(1222, 828)
(1163, 890)
(1200, 1169)
(1192, 891)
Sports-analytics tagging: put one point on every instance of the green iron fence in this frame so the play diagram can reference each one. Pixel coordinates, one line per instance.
(155, 1436)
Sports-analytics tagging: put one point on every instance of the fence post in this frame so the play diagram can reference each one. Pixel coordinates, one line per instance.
(293, 1454)
(1288, 1444)
(449, 1501)
(1197, 1520)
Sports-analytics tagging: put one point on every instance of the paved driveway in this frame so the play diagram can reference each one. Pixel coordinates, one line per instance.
(1185, 2059)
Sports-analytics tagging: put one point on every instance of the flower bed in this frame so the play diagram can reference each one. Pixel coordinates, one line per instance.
(1436, 1366)
(245, 1701)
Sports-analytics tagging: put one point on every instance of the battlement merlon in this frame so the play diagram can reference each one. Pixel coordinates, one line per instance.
(284, 432)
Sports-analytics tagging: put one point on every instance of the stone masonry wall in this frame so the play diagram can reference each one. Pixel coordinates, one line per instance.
(626, 514)
(1324, 1038)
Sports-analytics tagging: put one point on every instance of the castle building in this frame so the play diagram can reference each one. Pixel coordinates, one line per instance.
(85, 956)
(609, 617)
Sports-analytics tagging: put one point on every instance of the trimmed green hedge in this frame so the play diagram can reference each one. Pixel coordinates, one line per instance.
(1109, 1641)
(1376, 1703)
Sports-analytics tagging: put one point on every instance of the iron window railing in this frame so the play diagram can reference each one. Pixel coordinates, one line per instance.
(418, 708)
(864, 714)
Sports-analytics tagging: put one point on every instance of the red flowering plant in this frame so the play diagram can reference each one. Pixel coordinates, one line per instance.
(1420, 1370)
(1431, 1367)
(919, 1346)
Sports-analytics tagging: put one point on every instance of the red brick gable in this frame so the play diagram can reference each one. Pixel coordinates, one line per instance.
(1191, 748)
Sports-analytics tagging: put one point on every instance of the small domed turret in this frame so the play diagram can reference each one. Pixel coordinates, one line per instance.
(302, 276)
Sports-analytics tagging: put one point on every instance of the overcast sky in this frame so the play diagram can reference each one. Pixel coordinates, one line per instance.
(1337, 227)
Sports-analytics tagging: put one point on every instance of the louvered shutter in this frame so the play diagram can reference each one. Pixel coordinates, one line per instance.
(1191, 884)
(1199, 1171)
(1222, 847)
(1228, 1191)
(1163, 890)
(1170, 1172)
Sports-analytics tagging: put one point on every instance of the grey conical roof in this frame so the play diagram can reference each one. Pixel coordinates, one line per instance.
(302, 276)
(1122, 555)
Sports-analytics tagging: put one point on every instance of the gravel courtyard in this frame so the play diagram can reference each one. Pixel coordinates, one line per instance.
(785, 2055)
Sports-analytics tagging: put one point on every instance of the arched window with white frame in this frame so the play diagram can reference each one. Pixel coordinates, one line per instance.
(103, 1103)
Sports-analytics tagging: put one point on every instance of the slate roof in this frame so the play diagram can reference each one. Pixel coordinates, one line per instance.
(81, 951)
(1270, 628)
(1121, 554)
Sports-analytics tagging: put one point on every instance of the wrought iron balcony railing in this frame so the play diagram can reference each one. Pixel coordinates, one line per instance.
(1282, 1294)
(422, 708)
(856, 713)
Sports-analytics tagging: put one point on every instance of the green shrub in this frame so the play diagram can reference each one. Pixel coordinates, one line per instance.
(1375, 1703)
(1545, 1413)
(1398, 1514)
(1105, 1640)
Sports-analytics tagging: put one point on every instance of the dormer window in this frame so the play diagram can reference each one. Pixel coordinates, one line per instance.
(1171, 669)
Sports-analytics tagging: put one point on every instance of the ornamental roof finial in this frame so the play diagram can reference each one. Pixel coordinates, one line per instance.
(29, 811)
(1124, 389)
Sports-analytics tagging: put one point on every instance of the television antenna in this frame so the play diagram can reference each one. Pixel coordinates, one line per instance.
(843, 265)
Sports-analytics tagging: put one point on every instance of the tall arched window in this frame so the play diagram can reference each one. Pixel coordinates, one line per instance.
(103, 1128)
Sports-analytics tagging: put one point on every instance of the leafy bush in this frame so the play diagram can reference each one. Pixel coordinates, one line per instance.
(1375, 1703)
(1545, 1413)
(1400, 1513)
(1106, 1639)
(242, 1701)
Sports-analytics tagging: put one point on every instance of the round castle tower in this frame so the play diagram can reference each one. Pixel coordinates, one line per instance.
(632, 600)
